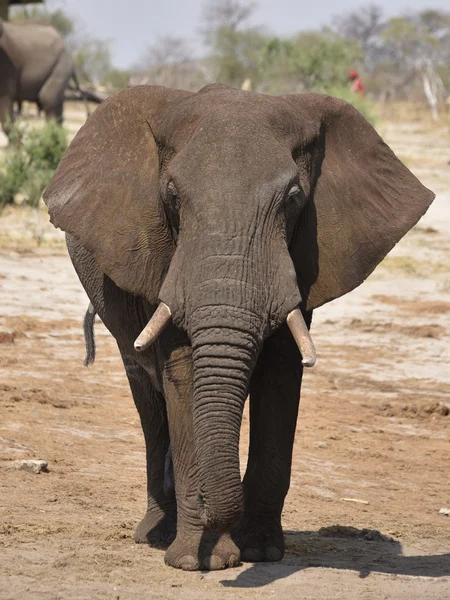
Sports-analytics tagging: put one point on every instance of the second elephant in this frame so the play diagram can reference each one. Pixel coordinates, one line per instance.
(35, 66)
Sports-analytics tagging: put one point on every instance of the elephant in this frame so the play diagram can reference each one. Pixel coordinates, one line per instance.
(205, 228)
(34, 66)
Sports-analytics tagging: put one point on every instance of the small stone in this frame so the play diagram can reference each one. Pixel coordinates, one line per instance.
(321, 444)
(445, 511)
(32, 466)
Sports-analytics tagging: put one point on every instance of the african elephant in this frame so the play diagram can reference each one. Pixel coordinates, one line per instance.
(34, 66)
(205, 228)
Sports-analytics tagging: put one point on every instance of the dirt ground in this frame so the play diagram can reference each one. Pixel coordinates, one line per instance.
(374, 427)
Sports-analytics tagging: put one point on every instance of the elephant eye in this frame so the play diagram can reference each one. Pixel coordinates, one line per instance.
(294, 191)
(172, 192)
(172, 206)
(294, 199)
(293, 204)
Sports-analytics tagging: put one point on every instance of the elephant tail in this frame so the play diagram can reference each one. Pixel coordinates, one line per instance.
(84, 94)
(88, 326)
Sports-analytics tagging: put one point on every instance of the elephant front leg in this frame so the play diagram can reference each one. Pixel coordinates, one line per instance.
(274, 401)
(159, 523)
(6, 114)
(195, 548)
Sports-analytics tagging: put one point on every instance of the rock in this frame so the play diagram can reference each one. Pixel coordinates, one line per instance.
(356, 500)
(445, 511)
(32, 466)
(321, 444)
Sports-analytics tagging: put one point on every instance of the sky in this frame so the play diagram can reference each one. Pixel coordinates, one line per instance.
(132, 25)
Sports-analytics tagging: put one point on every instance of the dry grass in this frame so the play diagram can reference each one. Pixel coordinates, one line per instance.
(417, 113)
(411, 267)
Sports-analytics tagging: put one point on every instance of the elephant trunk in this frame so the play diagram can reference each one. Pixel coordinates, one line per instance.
(225, 346)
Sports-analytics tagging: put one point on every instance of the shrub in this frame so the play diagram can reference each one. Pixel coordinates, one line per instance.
(343, 92)
(30, 161)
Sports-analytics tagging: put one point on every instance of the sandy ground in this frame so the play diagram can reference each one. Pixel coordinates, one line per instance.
(374, 426)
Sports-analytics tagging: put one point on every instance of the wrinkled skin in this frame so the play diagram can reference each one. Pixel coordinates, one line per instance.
(232, 208)
(34, 66)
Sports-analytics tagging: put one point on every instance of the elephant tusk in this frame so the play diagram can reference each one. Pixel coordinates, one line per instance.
(299, 330)
(154, 327)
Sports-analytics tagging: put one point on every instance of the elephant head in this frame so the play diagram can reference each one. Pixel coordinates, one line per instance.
(230, 210)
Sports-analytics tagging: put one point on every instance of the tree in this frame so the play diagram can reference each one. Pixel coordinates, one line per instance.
(167, 50)
(310, 60)
(92, 60)
(116, 79)
(404, 54)
(236, 49)
(170, 61)
(43, 16)
(362, 27)
(420, 43)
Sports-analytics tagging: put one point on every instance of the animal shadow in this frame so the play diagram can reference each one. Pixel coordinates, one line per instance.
(340, 547)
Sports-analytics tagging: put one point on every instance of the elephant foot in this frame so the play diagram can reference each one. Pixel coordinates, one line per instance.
(157, 529)
(205, 550)
(260, 541)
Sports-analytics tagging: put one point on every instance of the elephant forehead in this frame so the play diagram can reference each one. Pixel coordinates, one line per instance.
(225, 112)
(229, 161)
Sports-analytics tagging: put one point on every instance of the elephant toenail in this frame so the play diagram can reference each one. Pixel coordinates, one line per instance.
(233, 560)
(213, 563)
(188, 563)
(252, 555)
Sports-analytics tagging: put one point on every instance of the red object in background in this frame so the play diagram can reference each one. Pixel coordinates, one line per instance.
(357, 84)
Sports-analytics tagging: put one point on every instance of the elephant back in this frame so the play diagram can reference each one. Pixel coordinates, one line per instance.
(34, 50)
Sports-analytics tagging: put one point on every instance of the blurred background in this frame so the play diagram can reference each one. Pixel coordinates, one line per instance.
(391, 62)
(273, 47)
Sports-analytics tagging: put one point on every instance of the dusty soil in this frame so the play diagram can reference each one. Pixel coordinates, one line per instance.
(374, 427)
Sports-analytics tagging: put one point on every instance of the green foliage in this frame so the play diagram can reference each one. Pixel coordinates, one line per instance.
(364, 106)
(116, 79)
(311, 59)
(30, 161)
(236, 49)
(93, 60)
(43, 16)
(237, 55)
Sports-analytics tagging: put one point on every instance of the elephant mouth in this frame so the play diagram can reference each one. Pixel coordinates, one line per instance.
(295, 321)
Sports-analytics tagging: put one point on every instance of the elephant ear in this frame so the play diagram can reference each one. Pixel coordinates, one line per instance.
(361, 197)
(105, 191)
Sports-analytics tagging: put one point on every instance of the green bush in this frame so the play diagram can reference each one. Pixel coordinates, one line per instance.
(343, 92)
(30, 161)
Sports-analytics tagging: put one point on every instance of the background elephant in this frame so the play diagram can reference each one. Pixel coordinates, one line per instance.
(34, 66)
(227, 210)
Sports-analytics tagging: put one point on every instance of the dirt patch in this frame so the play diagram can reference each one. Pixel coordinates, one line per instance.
(415, 410)
(430, 307)
(433, 330)
(7, 337)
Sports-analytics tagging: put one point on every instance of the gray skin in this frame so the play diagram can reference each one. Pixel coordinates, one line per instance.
(34, 66)
(232, 208)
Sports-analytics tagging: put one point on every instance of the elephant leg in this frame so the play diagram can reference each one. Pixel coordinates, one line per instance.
(8, 91)
(274, 400)
(51, 95)
(6, 114)
(159, 523)
(195, 547)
